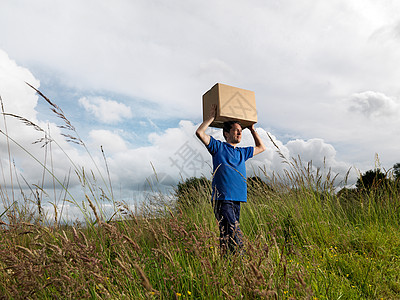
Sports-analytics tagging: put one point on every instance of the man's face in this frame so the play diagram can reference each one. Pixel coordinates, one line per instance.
(235, 134)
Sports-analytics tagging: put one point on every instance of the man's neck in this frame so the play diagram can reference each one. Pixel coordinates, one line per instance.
(233, 144)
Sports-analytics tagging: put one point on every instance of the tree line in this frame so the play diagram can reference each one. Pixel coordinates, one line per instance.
(193, 189)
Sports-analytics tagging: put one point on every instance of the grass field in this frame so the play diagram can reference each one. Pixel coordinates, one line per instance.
(302, 241)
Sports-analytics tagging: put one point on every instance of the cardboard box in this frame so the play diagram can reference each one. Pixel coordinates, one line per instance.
(232, 104)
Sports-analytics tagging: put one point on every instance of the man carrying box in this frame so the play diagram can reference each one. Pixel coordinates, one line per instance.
(229, 179)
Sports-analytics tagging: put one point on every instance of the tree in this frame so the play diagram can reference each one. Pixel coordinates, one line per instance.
(372, 180)
(347, 196)
(192, 191)
(396, 171)
(195, 190)
(256, 183)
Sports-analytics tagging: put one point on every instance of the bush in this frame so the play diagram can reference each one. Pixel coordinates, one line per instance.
(192, 191)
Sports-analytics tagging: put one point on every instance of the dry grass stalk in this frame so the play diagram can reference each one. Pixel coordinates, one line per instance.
(145, 281)
(124, 268)
(26, 250)
(93, 208)
(25, 121)
(84, 238)
(226, 294)
(76, 237)
(130, 241)
(257, 273)
(64, 235)
(56, 109)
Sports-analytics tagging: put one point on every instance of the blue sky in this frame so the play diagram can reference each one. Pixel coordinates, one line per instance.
(130, 76)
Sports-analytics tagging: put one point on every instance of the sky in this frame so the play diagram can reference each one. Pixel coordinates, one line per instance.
(130, 75)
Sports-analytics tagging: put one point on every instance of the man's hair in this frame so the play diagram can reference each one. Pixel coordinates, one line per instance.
(228, 126)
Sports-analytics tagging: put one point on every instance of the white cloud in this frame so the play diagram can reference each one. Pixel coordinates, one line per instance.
(177, 153)
(174, 153)
(215, 68)
(106, 111)
(59, 156)
(319, 153)
(374, 105)
(18, 97)
(110, 141)
(295, 53)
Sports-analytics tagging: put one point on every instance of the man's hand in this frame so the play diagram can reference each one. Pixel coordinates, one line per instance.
(213, 111)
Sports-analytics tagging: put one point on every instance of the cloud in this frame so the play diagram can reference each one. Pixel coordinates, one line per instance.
(158, 58)
(110, 141)
(397, 29)
(21, 100)
(171, 155)
(177, 154)
(374, 105)
(300, 58)
(319, 153)
(18, 98)
(388, 33)
(174, 153)
(215, 68)
(106, 111)
(297, 57)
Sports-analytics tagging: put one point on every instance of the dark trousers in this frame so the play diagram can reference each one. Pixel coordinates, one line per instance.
(228, 214)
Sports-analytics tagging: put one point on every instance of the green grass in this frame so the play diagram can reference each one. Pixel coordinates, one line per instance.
(299, 244)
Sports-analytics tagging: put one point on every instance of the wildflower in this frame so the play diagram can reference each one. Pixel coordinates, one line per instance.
(152, 293)
(189, 293)
(178, 294)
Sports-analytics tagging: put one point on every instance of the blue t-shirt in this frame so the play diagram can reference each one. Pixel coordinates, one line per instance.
(229, 170)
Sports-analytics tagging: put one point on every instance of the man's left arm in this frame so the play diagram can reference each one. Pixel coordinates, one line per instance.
(260, 147)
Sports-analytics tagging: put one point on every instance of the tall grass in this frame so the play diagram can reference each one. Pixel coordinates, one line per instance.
(302, 241)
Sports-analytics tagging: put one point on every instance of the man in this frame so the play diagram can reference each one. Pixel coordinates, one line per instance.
(229, 176)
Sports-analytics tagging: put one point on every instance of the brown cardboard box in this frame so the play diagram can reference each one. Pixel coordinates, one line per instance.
(232, 104)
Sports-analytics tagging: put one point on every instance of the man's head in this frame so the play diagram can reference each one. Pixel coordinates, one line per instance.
(232, 132)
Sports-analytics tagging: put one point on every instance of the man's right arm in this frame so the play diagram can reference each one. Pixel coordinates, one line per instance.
(201, 131)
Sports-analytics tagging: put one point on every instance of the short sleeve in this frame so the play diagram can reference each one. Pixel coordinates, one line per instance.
(248, 152)
(213, 146)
